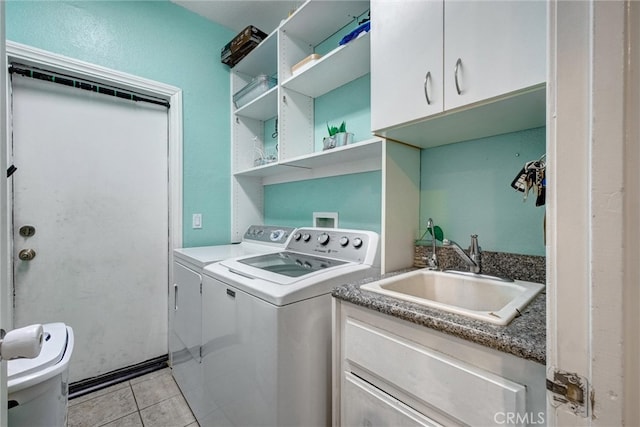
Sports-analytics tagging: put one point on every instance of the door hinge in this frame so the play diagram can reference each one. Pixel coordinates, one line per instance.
(570, 390)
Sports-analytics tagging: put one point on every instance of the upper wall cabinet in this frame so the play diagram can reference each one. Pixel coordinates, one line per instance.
(406, 61)
(448, 71)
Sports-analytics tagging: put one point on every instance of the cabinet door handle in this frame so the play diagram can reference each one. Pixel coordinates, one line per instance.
(427, 79)
(458, 65)
(175, 296)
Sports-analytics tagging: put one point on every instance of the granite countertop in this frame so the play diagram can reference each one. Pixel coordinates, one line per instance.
(524, 337)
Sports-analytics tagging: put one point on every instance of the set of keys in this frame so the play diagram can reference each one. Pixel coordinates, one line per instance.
(531, 178)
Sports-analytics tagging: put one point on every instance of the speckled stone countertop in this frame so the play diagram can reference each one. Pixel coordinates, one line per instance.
(524, 337)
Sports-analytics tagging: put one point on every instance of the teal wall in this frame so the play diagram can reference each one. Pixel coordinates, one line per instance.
(350, 103)
(160, 41)
(356, 198)
(464, 186)
(466, 189)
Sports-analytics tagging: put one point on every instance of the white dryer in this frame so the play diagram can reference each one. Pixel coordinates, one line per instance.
(185, 306)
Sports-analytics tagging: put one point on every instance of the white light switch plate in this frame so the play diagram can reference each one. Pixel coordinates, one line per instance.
(196, 221)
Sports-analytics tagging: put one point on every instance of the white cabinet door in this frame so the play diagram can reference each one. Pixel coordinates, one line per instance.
(185, 315)
(406, 44)
(498, 46)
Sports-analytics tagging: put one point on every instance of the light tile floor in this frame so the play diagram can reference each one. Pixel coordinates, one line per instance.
(152, 400)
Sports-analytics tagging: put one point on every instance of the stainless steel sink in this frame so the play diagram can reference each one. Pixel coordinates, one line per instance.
(475, 296)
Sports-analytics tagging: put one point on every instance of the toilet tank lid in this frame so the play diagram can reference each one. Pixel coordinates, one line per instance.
(53, 347)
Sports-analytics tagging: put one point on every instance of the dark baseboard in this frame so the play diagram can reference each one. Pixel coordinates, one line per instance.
(80, 388)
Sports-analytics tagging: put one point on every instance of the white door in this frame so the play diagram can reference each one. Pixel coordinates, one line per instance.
(92, 181)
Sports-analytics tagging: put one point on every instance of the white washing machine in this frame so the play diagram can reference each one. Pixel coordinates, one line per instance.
(266, 356)
(38, 389)
(185, 307)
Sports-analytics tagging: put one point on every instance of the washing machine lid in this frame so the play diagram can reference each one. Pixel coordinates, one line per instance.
(53, 347)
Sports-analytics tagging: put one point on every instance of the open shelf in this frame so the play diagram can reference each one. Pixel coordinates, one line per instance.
(262, 108)
(263, 59)
(314, 22)
(340, 66)
(364, 151)
(369, 149)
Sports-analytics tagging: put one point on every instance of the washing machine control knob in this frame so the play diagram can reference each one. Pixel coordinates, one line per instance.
(297, 236)
(357, 242)
(344, 241)
(323, 239)
(306, 237)
(276, 235)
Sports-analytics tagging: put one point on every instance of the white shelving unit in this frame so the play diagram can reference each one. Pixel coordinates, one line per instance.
(291, 102)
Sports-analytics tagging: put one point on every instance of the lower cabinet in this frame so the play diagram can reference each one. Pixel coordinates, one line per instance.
(392, 372)
(366, 405)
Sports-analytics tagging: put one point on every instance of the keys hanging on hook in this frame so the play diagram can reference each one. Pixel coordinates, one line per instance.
(531, 178)
(541, 185)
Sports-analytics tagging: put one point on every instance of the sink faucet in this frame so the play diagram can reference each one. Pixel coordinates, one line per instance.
(474, 258)
(433, 261)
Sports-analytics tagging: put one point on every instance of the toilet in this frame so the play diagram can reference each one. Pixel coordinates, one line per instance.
(38, 389)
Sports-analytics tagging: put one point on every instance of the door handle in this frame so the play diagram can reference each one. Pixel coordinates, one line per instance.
(175, 296)
(455, 75)
(27, 254)
(427, 79)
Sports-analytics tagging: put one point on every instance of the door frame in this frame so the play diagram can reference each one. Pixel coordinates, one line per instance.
(593, 218)
(31, 56)
(5, 265)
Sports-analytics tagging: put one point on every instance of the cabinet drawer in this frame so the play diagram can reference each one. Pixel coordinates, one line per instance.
(368, 406)
(463, 391)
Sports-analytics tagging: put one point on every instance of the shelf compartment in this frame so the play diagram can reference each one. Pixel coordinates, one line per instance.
(262, 59)
(369, 149)
(314, 22)
(363, 151)
(352, 61)
(262, 108)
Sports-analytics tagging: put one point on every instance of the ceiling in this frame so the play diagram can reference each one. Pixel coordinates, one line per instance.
(238, 14)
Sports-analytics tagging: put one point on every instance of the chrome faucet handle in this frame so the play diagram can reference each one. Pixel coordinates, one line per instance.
(475, 253)
(474, 249)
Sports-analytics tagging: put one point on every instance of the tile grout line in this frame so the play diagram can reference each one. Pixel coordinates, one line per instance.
(137, 402)
(122, 415)
(137, 405)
